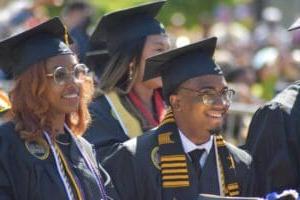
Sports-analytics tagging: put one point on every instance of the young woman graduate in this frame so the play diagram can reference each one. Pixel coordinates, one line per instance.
(42, 155)
(125, 106)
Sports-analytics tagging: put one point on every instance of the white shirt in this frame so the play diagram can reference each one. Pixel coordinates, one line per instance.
(189, 146)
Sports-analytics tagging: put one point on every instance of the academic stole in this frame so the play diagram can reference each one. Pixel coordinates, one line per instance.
(129, 123)
(175, 175)
(64, 169)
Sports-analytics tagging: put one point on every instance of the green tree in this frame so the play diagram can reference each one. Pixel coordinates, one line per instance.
(190, 9)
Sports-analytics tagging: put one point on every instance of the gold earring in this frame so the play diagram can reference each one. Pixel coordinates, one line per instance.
(130, 73)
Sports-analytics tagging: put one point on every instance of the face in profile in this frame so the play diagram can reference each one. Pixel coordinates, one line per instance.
(64, 77)
(154, 45)
(203, 102)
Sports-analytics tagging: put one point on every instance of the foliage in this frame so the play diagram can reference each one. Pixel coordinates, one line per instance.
(192, 10)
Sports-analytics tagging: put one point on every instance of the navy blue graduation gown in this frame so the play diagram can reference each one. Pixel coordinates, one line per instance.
(29, 173)
(274, 142)
(105, 130)
(136, 175)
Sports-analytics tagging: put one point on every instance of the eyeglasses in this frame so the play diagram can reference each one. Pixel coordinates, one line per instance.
(211, 97)
(61, 74)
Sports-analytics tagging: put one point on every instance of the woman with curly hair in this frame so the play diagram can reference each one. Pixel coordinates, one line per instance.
(42, 153)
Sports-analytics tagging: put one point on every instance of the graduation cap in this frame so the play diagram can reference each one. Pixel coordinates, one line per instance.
(295, 25)
(181, 64)
(121, 26)
(97, 57)
(19, 52)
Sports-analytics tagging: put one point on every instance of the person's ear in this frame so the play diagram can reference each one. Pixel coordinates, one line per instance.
(175, 102)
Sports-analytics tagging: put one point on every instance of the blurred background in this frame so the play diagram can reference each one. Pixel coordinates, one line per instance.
(257, 53)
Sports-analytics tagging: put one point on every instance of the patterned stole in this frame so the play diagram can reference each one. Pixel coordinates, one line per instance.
(177, 177)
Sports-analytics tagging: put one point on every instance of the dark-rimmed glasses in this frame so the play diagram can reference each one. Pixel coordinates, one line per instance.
(61, 74)
(211, 97)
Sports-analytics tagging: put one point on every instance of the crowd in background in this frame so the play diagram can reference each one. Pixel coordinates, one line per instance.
(259, 58)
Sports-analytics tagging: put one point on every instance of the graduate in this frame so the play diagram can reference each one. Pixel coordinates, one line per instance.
(42, 155)
(125, 106)
(273, 141)
(186, 155)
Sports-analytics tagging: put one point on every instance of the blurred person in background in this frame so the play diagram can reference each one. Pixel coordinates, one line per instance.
(239, 78)
(19, 15)
(242, 79)
(289, 69)
(265, 64)
(269, 32)
(125, 106)
(273, 141)
(77, 15)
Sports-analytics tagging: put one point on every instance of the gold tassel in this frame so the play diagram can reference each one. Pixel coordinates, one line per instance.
(66, 36)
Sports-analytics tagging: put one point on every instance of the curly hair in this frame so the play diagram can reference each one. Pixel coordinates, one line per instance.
(31, 112)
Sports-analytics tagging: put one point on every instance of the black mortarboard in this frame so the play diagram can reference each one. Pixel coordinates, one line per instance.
(295, 25)
(181, 64)
(121, 26)
(97, 57)
(20, 51)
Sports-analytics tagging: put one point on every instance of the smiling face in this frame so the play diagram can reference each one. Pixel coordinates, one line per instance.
(196, 119)
(63, 98)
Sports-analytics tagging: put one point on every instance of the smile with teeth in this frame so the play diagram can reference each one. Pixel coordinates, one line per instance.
(74, 95)
(215, 114)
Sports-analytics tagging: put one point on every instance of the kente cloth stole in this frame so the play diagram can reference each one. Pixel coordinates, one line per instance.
(129, 124)
(175, 176)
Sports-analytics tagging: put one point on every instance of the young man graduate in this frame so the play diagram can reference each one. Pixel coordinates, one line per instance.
(185, 155)
(273, 141)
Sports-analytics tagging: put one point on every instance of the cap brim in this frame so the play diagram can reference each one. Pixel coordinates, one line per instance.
(154, 64)
(295, 25)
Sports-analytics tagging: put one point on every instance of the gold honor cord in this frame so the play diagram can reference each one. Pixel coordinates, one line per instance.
(69, 173)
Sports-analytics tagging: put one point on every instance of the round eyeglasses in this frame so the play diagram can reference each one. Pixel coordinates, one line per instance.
(61, 75)
(211, 97)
